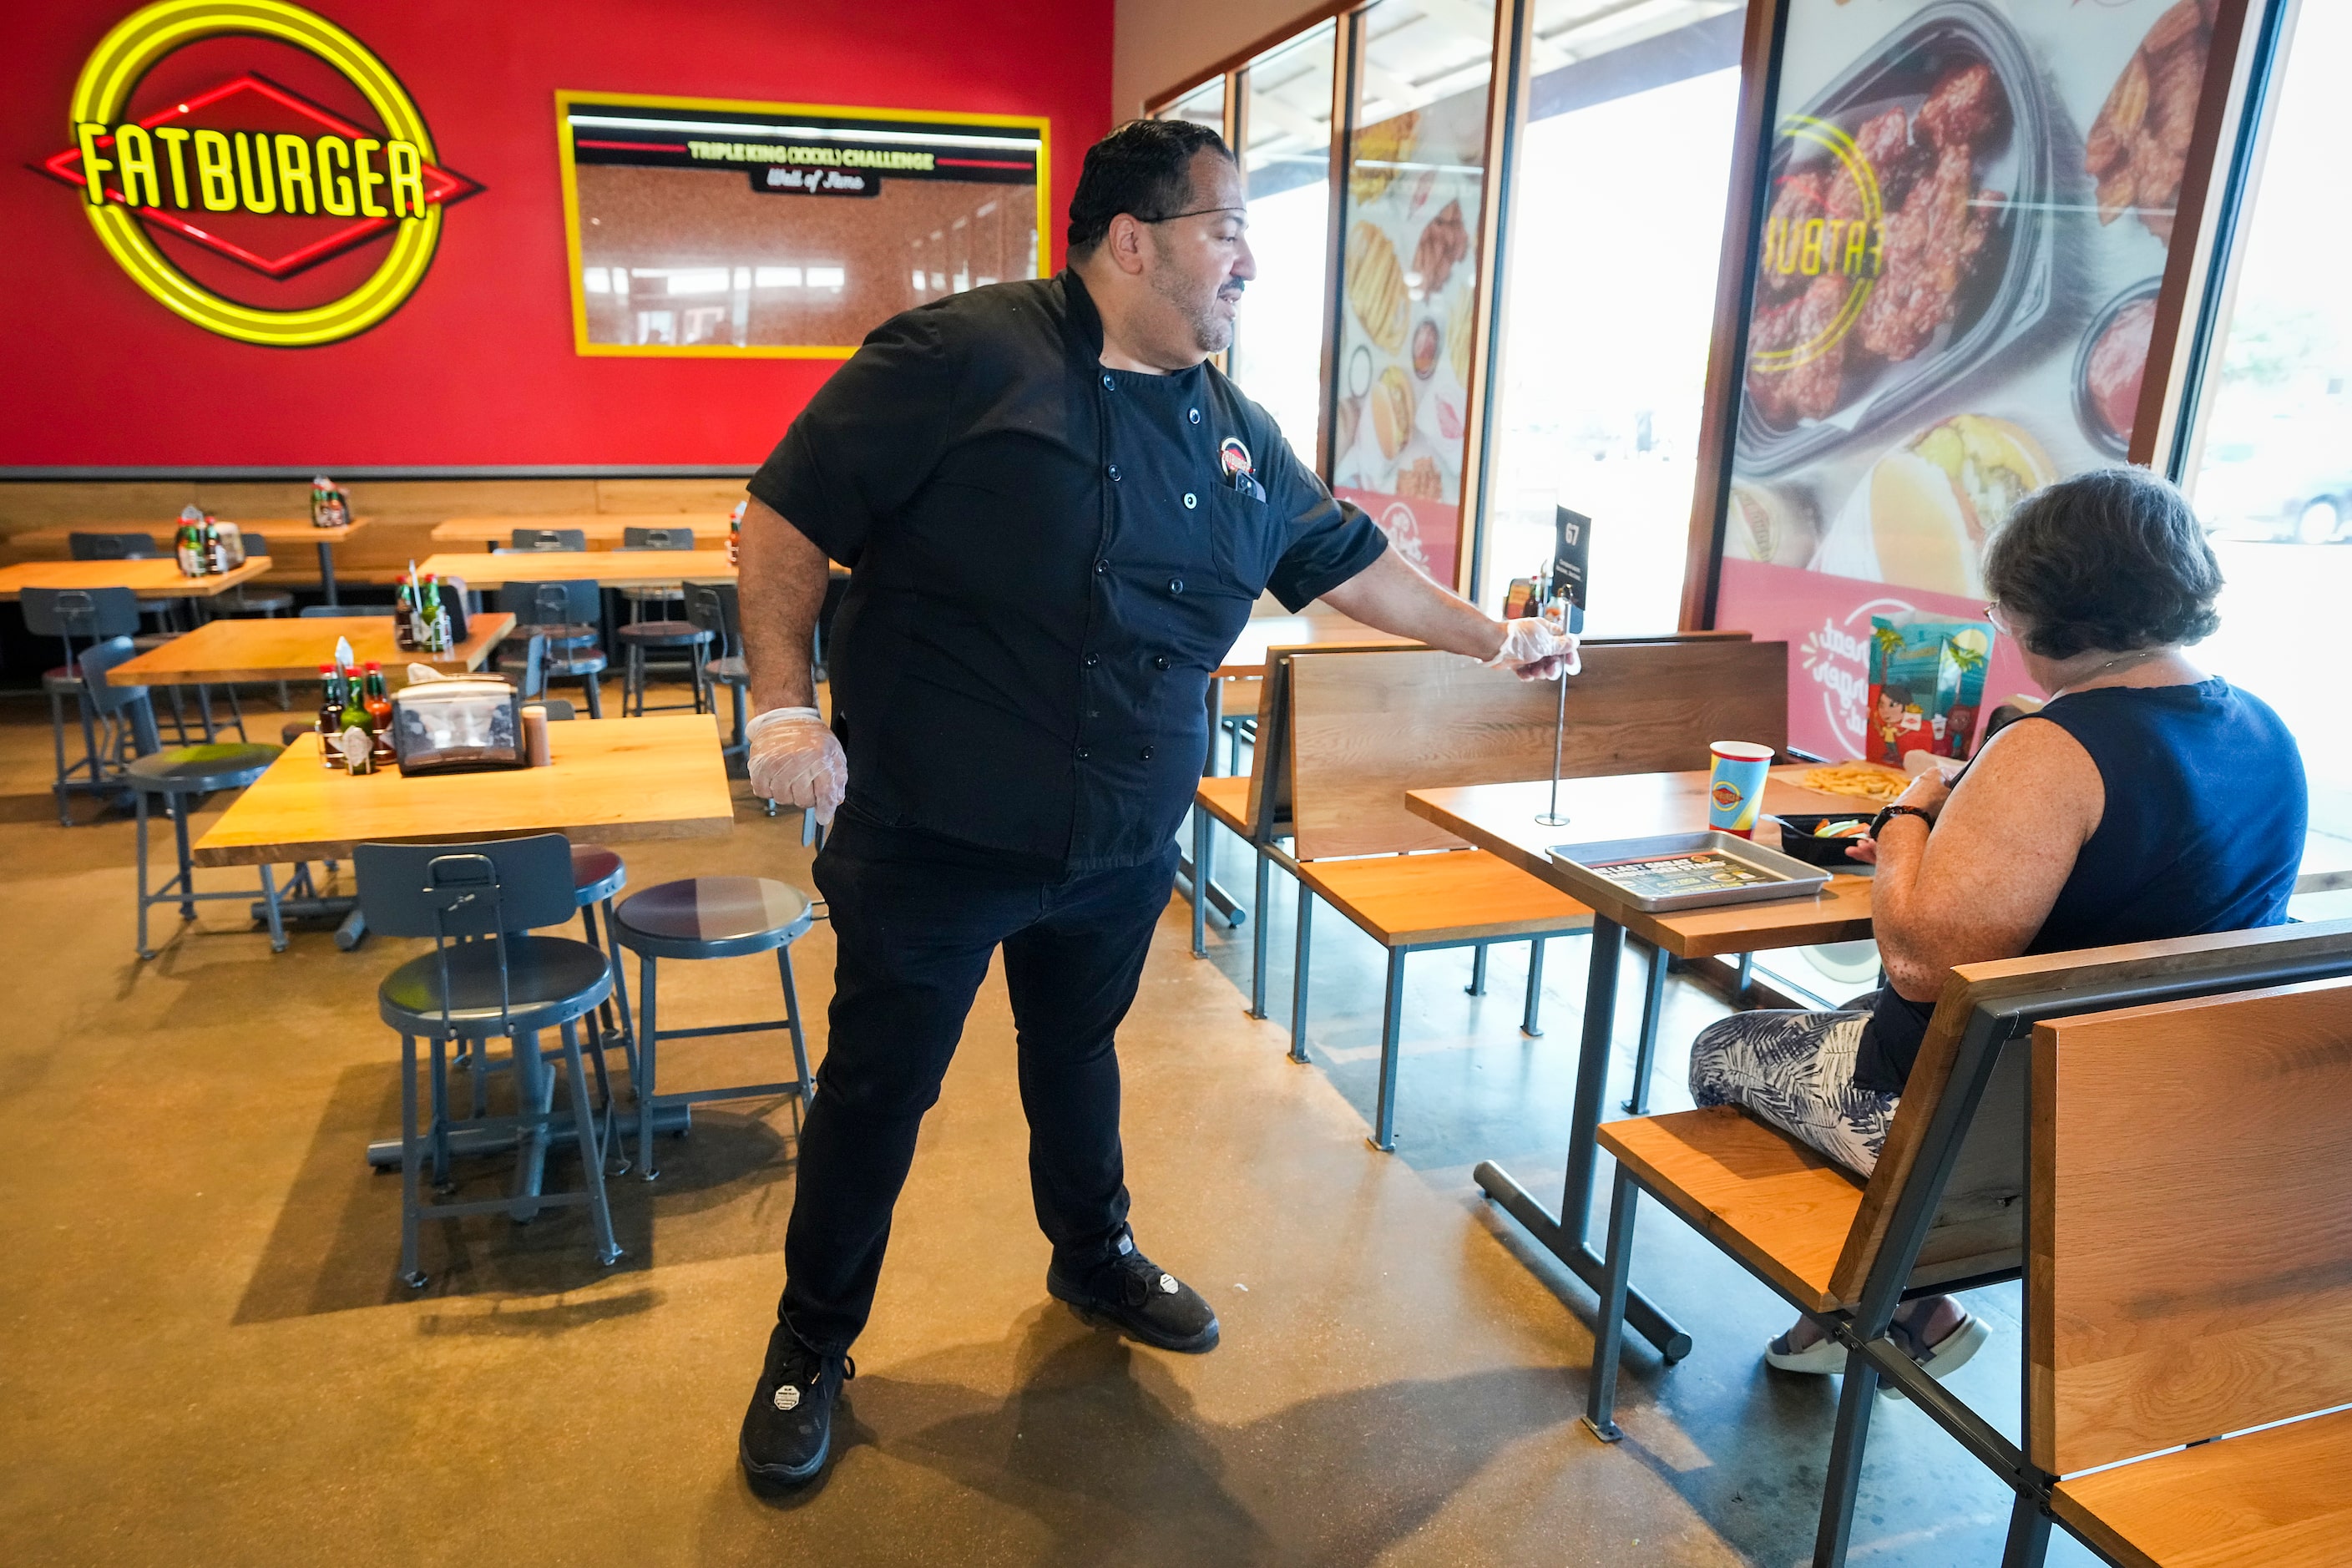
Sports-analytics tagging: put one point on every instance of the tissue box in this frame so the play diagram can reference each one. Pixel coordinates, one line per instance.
(452, 726)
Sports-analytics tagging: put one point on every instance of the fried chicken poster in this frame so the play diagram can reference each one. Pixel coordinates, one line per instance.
(1968, 212)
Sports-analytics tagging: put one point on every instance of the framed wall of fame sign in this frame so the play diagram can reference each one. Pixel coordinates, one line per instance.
(714, 227)
(1968, 217)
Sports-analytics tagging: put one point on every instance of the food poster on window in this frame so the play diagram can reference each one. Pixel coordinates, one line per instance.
(1410, 280)
(1969, 208)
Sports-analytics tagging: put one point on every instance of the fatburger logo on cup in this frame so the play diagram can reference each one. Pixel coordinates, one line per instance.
(252, 173)
(1736, 788)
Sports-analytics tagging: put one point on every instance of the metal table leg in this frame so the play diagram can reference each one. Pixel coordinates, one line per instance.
(1219, 899)
(1563, 1236)
(1645, 1051)
(534, 1096)
(1257, 937)
(327, 571)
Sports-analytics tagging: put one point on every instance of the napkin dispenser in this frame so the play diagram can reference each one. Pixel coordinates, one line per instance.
(454, 726)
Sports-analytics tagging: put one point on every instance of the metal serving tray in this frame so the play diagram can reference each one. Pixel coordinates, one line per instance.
(1782, 876)
(2008, 295)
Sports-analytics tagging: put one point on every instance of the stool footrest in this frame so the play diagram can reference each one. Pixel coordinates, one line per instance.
(725, 1029)
(743, 1091)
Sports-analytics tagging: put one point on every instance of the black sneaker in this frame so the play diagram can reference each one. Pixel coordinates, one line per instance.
(1132, 1293)
(788, 1430)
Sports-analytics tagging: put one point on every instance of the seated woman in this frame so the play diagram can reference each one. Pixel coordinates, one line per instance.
(2146, 800)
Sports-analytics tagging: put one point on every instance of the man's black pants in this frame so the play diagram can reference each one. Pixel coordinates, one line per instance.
(915, 926)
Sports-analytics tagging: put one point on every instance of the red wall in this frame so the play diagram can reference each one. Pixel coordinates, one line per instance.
(478, 367)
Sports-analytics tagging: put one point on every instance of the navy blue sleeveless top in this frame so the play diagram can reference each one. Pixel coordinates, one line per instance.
(2202, 831)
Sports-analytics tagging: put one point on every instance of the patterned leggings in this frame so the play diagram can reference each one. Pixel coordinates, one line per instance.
(1795, 1071)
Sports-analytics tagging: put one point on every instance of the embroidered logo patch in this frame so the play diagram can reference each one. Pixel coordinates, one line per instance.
(1235, 456)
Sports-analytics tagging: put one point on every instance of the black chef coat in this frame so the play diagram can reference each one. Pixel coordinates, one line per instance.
(1047, 559)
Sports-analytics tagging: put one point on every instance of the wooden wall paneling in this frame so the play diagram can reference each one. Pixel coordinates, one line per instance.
(636, 498)
(1507, 101)
(2193, 1238)
(26, 505)
(1727, 349)
(401, 513)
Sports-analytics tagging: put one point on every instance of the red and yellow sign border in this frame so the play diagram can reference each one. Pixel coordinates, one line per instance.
(114, 69)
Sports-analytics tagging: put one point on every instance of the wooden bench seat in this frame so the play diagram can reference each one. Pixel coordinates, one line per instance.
(1967, 1157)
(1227, 800)
(2279, 1498)
(1455, 896)
(1761, 1196)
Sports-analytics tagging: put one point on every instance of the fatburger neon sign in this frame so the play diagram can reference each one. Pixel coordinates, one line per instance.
(203, 167)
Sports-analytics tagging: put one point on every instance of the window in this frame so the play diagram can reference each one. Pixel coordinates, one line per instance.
(1204, 105)
(1604, 344)
(1277, 353)
(1408, 271)
(2273, 478)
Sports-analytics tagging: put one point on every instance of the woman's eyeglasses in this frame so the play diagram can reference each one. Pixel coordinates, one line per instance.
(1999, 617)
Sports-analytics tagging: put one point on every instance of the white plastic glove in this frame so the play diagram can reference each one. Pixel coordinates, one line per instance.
(795, 760)
(1536, 649)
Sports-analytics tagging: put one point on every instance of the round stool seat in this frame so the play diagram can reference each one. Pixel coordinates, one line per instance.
(713, 917)
(248, 600)
(551, 981)
(664, 633)
(596, 873)
(560, 662)
(564, 634)
(64, 678)
(198, 770)
(731, 669)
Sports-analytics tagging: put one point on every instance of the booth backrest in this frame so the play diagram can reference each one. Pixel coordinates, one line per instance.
(2192, 1270)
(1978, 1222)
(1366, 726)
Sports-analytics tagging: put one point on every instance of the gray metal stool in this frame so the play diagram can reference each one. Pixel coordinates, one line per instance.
(96, 616)
(177, 776)
(710, 917)
(488, 978)
(571, 618)
(597, 875)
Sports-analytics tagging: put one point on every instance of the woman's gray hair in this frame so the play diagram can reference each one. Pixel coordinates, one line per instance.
(2113, 559)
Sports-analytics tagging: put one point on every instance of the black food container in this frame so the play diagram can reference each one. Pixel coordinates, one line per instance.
(1798, 842)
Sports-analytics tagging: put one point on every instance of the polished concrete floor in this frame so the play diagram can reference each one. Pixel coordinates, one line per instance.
(209, 1359)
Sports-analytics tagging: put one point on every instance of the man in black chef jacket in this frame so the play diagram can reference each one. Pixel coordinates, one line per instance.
(1056, 516)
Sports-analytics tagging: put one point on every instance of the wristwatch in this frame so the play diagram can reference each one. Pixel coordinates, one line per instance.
(1879, 822)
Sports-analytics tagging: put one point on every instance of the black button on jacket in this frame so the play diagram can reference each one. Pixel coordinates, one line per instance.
(1022, 660)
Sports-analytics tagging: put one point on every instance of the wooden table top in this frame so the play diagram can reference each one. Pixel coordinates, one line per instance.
(157, 577)
(1501, 819)
(602, 528)
(1247, 656)
(291, 649)
(273, 529)
(612, 779)
(612, 568)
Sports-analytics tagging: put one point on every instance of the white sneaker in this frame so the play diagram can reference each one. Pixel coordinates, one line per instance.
(1820, 1358)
